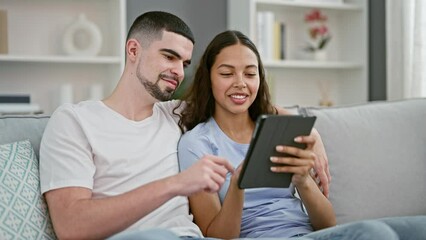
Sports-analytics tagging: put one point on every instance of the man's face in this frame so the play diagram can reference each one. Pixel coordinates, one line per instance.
(161, 66)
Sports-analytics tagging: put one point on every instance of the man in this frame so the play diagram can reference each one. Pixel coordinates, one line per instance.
(109, 166)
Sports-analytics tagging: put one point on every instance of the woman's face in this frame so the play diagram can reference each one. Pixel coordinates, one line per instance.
(235, 79)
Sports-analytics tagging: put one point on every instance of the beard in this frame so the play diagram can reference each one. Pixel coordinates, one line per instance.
(154, 89)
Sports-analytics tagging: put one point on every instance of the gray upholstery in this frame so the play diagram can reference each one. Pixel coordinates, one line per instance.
(377, 156)
(16, 128)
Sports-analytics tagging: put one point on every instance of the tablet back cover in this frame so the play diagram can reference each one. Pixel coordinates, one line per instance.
(272, 130)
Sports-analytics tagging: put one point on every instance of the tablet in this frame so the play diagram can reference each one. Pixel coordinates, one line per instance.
(270, 131)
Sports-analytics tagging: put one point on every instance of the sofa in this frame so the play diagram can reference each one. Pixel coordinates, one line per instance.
(376, 151)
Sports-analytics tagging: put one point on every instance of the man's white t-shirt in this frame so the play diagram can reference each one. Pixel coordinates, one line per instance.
(90, 145)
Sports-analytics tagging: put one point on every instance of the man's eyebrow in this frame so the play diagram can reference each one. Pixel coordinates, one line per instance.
(187, 62)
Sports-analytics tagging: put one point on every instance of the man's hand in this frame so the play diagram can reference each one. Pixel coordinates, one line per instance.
(321, 172)
(208, 174)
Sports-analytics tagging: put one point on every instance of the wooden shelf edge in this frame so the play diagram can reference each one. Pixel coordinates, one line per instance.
(313, 4)
(60, 59)
(312, 64)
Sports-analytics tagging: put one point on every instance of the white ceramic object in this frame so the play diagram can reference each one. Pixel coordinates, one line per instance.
(320, 55)
(66, 94)
(82, 38)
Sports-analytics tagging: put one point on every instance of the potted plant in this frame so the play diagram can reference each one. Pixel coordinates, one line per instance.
(318, 32)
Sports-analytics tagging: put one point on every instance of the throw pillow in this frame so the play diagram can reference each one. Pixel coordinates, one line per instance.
(23, 210)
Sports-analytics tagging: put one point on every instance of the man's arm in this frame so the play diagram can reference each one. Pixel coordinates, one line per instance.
(76, 215)
(321, 169)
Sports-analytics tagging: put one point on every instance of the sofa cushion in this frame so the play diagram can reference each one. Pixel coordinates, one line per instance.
(21, 127)
(377, 157)
(23, 211)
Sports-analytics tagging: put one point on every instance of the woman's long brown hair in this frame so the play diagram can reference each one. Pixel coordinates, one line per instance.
(200, 103)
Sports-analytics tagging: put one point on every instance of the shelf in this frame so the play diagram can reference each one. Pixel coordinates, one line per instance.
(312, 64)
(15, 108)
(59, 59)
(307, 4)
(42, 68)
(297, 79)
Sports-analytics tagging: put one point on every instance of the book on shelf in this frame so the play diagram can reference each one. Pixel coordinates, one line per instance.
(270, 36)
(15, 98)
(280, 51)
(277, 41)
(283, 42)
(3, 32)
(265, 34)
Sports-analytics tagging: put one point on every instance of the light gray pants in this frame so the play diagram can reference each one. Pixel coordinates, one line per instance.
(404, 228)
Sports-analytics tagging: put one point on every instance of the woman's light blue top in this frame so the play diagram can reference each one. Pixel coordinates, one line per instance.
(267, 212)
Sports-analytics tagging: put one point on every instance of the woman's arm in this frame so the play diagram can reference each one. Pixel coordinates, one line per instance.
(216, 220)
(213, 218)
(320, 210)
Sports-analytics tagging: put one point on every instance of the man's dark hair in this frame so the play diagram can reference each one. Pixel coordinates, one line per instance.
(150, 26)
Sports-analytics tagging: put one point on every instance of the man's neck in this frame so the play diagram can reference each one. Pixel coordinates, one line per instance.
(132, 102)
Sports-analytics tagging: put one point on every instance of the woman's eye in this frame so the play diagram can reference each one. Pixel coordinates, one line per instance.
(168, 57)
(226, 74)
(251, 74)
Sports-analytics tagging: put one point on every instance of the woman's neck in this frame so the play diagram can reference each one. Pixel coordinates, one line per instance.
(238, 127)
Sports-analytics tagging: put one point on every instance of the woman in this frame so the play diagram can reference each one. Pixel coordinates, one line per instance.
(232, 79)
(228, 93)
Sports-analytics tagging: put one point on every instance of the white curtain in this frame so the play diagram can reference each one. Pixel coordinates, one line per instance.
(406, 48)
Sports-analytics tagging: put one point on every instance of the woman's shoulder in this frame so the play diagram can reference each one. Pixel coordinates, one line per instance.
(195, 143)
(199, 132)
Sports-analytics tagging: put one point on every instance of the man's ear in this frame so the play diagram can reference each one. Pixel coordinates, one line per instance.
(132, 48)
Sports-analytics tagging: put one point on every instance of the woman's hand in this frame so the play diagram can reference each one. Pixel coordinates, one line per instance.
(299, 162)
(236, 175)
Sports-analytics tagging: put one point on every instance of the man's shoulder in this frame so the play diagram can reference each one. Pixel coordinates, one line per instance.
(73, 109)
(66, 109)
(78, 114)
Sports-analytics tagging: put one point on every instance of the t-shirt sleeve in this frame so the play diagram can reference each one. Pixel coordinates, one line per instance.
(65, 154)
(173, 108)
(192, 146)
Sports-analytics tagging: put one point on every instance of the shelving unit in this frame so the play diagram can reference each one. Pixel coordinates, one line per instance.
(296, 80)
(36, 62)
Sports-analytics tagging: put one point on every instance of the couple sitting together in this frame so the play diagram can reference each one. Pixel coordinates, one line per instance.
(120, 168)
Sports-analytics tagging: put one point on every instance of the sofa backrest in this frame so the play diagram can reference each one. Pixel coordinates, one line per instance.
(376, 151)
(377, 158)
(16, 128)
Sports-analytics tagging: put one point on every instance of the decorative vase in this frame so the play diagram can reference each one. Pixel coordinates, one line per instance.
(320, 55)
(82, 38)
